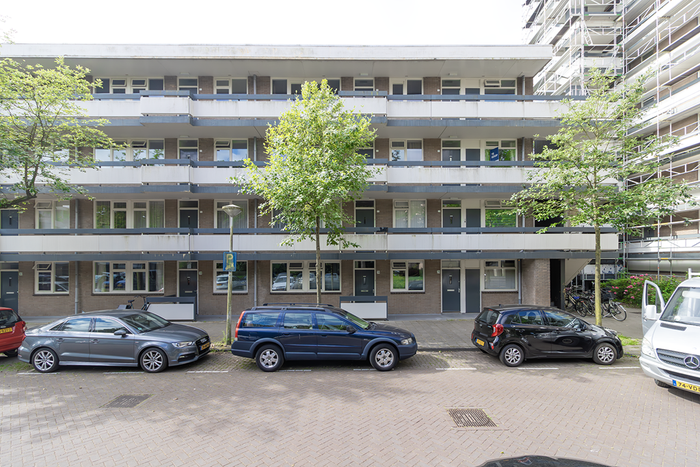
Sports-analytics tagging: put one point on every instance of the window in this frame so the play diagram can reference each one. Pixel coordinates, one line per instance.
(450, 87)
(129, 85)
(406, 87)
(51, 278)
(52, 214)
(128, 277)
(231, 86)
(499, 214)
(499, 86)
(407, 276)
(300, 276)
(409, 213)
(259, 320)
(326, 322)
(368, 152)
(107, 326)
(406, 150)
(77, 325)
(279, 86)
(499, 275)
(231, 150)
(364, 213)
(188, 149)
(129, 214)
(132, 150)
(188, 84)
(239, 222)
(504, 150)
(364, 84)
(297, 320)
(451, 149)
(239, 283)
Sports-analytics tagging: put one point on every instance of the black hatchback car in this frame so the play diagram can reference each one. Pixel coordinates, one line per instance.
(515, 333)
(272, 334)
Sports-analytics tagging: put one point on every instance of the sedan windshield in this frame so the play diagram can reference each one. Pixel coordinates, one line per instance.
(684, 306)
(144, 322)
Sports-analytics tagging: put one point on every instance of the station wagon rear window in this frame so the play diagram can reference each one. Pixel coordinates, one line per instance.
(259, 320)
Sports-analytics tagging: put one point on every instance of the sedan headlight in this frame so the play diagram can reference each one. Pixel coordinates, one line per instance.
(408, 341)
(180, 345)
(647, 348)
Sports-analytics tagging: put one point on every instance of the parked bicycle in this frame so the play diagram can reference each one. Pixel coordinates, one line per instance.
(130, 304)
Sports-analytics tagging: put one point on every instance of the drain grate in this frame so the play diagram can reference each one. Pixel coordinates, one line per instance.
(127, 401)
(470, 417)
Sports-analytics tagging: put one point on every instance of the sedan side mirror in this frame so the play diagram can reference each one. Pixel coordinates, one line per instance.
(120, 332)
(350, 329)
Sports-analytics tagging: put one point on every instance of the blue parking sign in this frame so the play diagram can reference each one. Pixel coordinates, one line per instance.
(230, 261)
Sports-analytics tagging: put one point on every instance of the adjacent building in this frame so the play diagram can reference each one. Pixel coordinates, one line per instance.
(455, 128)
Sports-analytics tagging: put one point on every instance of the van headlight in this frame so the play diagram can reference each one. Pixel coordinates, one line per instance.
(408, 341)
(181, 345)
(647, 348)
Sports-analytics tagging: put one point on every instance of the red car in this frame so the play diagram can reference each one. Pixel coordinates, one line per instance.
(11, 331)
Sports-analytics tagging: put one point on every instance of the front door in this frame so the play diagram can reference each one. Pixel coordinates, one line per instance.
(188, 283)
(189, 218)
(451, 217)
(450, 290)
(9, 286)
(472, 295)
(364, 282)
(473, 217)
(9, 219)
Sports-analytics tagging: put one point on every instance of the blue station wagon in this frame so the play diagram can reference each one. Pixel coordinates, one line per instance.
(272, 334)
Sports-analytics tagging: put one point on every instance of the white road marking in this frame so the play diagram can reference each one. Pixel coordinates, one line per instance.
(288, 371)
(538, 368)
(208, 371)
(123, 373)
(454, 369)
(36, 373)
(619, 367)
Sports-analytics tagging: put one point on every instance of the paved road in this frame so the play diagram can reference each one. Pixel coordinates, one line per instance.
(224, 411)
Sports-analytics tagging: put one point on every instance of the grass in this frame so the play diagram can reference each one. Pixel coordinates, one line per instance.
(629, 340)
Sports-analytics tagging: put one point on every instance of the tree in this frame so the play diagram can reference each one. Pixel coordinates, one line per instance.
(582, 174)
(42, 126)
(313, 168)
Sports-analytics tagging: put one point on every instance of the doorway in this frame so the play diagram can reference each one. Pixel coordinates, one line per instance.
(472, 289)
(364, 278)
(451, 290)
(9, 285)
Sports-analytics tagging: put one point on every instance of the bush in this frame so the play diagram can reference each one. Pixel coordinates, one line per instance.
(628, 289)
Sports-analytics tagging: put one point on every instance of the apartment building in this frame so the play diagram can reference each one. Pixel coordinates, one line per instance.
(631, 38)
(454, 127)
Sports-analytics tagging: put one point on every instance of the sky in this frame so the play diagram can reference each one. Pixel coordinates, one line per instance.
(278, 22)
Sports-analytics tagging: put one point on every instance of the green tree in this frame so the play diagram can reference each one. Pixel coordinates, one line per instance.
(313, 169)
(581, 177)
(43, 127)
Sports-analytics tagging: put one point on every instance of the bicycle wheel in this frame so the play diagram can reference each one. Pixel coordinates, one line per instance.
(618, 311)
(605, 309)
(580, 308)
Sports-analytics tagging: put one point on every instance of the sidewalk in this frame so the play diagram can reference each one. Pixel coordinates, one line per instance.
(433, 331)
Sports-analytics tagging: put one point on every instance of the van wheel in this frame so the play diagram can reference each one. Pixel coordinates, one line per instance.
(512, 355)
(269, 358)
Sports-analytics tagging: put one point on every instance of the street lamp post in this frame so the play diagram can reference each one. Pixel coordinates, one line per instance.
(232, 211)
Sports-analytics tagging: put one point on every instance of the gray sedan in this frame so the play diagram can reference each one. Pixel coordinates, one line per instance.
(114, 338)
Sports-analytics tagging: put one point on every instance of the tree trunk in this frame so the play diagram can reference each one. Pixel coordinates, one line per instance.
(319, 277)
(598, 314)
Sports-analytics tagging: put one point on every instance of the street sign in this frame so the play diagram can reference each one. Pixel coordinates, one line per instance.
(230, 261)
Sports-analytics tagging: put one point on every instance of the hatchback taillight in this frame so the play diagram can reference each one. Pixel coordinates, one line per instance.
(497, 330)
(235, 334)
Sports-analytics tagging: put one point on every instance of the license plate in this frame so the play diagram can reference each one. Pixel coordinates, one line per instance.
(205, 346)
(480, 342)
(5, 330)
(686, 386)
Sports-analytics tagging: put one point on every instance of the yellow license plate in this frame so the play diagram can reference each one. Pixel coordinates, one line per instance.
(206, 346)
(5, 330)
(686, 386)
(480, 342)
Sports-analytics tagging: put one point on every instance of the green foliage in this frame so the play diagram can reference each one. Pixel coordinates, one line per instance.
(313, 168)
(581, 177)
(628, 289)
(41, 125)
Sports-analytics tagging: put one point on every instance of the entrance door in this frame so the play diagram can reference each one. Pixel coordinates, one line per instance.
(364, 213)
(472, 296)
(9, 219)
(9, 285)
(188, 283)
(189, 218)
(364, 282)
(450, 290)
(451, 217)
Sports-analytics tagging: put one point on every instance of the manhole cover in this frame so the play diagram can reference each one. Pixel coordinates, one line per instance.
(470, 417)
(127, 401)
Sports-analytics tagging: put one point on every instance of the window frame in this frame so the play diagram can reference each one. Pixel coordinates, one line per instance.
(405, 266)
(188, 87)
(53, 282)
(231, 142)
(218, 267)
(130, 150)
(228, 87)
(129, 87)
(404, 83)
(242, 203)
(502, 145)
(500, 265)
(130, 210)
(306, 268)
(51, 209)
(406, 142)
(129, 270)
(363, 87)
(409, 217)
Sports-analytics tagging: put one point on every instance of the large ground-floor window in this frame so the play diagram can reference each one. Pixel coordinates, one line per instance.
(128, 277)
(51, 278)
(407, 276)
(300, 276)
(500, 275)
(239, 284)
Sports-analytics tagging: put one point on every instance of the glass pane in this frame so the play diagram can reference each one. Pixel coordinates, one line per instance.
(120, 219)
(156, 149)
(155, 277)
(397, 89)
(61, 277)
(44, 281)
(398, 279)
(157, 214)
(279, 86)
(240, 277)
(296, 280)
(101, 279)
(417, 214)
(239, 86)
(102, 214)
(239, 150)
(332, 276)
(103, 154)
(506, 155)
(298, 320)
(500, 218)
(118, 281)
(415, 276)
(140, 219)
(415, 151)
(279, 276)
(414, 86)
(77, 325)
(401, 218)
(138, 281)
(241, 220)
(398, 155)
(44, 219)
(223, 154)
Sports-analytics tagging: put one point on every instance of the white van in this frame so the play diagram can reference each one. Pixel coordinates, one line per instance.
(671, 345)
